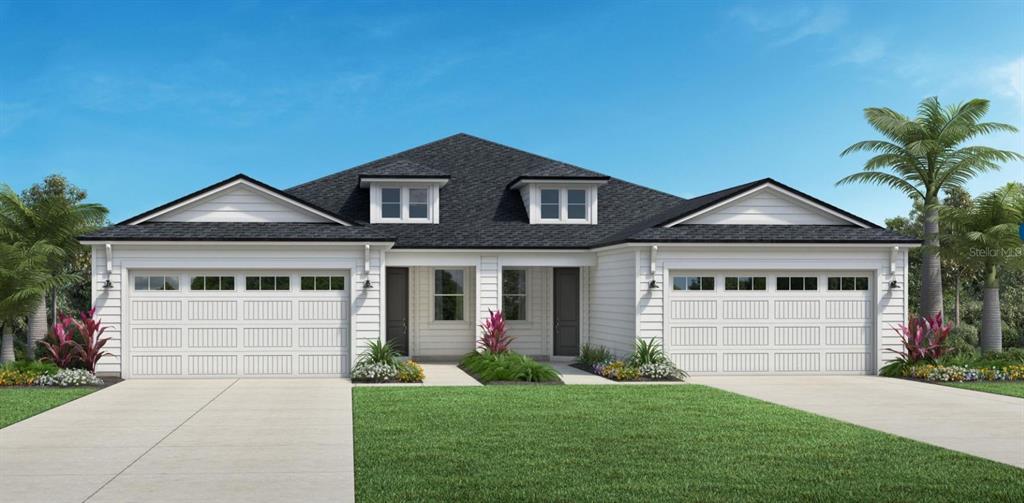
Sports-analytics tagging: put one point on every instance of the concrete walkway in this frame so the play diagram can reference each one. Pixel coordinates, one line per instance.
(983, 424)
(187, 440)
(573, 375)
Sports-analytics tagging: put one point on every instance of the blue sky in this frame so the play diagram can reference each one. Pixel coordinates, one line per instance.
(141, 103)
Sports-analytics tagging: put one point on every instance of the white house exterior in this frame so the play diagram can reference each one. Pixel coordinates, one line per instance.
(244, 280)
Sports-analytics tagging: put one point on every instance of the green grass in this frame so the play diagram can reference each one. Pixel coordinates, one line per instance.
(17, 402)
(1012, 388)
(641, 443)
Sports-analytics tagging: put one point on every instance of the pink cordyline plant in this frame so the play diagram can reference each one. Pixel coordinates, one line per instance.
(923, 339)
(89, 330)
(495, 339)
(60, 345)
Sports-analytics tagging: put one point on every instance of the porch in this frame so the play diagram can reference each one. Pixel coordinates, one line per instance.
(432, 311)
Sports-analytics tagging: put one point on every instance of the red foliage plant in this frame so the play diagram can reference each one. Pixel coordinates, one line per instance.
(61, 347)
(89, 330)
(495, 338)
(923, 339)
(76, 343)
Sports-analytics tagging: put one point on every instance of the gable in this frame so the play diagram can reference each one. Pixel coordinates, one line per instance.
(240, 203)
(766, 205)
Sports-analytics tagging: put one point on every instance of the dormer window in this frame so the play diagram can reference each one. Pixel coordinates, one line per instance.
(403, 204)
(564, 205)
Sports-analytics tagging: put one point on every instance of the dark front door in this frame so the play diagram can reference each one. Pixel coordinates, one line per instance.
(398, 309)
(567, 311)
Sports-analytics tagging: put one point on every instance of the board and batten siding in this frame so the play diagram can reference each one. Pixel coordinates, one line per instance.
(612, 302)
(239, 204)
(442, 339)
(767, 207)
(890, 304)
(365, 303)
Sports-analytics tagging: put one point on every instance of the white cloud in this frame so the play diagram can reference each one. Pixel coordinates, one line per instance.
(827, 19)
(867, 50)
(1007, 79)
(793, 22)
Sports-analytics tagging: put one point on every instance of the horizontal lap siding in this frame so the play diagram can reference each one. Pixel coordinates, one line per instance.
(439, 338)
(612, 301)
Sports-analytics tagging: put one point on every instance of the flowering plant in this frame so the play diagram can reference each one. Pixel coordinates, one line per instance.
(922, 339)
(495, 339)
(374, 372)
(69, 377)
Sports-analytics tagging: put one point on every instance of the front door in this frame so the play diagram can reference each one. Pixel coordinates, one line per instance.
(567, 311)
(397, 332)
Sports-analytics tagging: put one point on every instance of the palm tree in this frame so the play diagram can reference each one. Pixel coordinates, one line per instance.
(51, 219)
(923, 156)
(987, 232)
(24, 278)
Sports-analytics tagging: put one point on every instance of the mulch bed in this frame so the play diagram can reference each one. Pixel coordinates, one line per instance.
(556, 382)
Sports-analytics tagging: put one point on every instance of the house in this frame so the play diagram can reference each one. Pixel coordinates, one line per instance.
(244, 279)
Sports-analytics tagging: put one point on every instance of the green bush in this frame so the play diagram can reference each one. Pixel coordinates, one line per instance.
(647, 352)
(507, 366)
(24, 372)
(1011, 338)
(378, 352)
(592, 355)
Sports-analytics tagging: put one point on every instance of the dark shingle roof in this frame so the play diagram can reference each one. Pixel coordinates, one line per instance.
(235, 231)
(708, 233)
(402, 168)
(478, 210)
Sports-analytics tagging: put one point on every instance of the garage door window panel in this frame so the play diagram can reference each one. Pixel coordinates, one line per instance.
(213, 283)
(267, 283)
(693, 283)
(848, 283)
(796, 283)
(746, 283)
(156, 283)
(321, 283)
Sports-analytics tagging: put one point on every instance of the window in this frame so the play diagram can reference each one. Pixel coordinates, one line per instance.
(419, 200)
(693, 282)
(576, 201)
(322, 283)
(391, 203)
(847, 283)
(148, 283)
(449, 295)
(513, 294)
(784, 283)
(267, 283)
(550, 208)
(213, 283)
(745, 283)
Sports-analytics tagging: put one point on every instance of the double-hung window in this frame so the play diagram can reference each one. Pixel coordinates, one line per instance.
(449, 295)
(564, 205)
(406, 204)
(513, 294)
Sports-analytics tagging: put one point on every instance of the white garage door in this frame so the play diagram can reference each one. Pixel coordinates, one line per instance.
(238, 324)
(771, 322)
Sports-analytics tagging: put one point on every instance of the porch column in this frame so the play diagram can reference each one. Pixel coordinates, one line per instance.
(488, 289)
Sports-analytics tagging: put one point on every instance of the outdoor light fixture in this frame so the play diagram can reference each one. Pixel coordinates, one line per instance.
(107, 284)
(653, 285)
(367, 285)
(894, 285)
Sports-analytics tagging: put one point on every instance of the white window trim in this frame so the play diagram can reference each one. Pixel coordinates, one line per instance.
(376, 203)
(525, 295)
(590, 192)
(434, 295)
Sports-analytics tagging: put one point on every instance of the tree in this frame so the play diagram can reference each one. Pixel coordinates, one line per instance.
(24, 279)
(51, 213)
(923, 156)
(987, 231)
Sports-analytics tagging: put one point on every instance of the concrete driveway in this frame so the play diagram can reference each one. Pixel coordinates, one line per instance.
(982, 424)
(187, 440)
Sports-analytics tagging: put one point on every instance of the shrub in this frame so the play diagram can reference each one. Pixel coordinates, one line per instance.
(410, 371)
(923, 339)
(660, 371)
(507, 366)
(373, 372)
(69, 377)
(378, 352)
(75, 343)
(89, 332)
(495, 339)
(1011, 356)
(617, 370)
(592, 355)
(61, 348)
(647, 351)
(963, 339)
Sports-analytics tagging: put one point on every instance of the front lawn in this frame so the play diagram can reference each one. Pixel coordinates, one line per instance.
(21, 402)
(1008, 388)
(641, 443)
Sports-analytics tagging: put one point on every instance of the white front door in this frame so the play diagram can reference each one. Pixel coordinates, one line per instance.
(238, 324)
(770, 322)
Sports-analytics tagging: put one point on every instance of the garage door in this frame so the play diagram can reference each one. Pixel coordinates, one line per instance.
(771, 322)
(232, 324)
